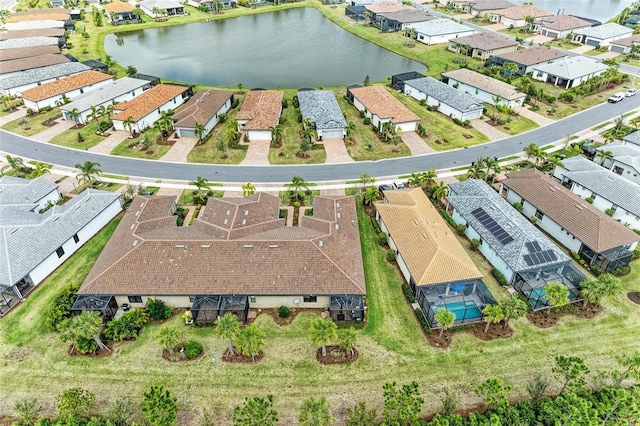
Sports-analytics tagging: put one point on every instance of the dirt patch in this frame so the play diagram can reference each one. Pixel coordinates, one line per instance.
(336, 355)
(178, 357)
(165, 142)
(634, 296)
(546, 319)
(495, 331)
(238, 358)
(273, 313)
(437, 342)
(543, 318)
(592, 310)
(100, 353)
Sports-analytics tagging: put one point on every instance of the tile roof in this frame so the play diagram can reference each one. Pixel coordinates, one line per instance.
(201, 108)
(519, 12)
(15, 190)
(485, 41)
(162, 4)
(427, 245)
(321, 107)
(39, 32)
(627, 41)
(35, 25)
(214, 257)
(486, 83)
(42, 74)
(23, 64)
(603, 182)
(451, 96)
(49, 16)
(605, 31)
(563, 22)
(472, 194)
(408, 16)
(43, 11)
(65, 85)
(633, 138)
(593, 227)
(26, 52)
(387, 6)
(150, 100)
(117, 7)
(573, 67)
(262, 108)
(491, 4)
(105, 93)
(440, 26)
(628, 154)
(381, 103)
(532, 55)
(19, 43)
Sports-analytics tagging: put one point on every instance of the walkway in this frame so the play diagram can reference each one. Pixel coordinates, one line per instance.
(336, 151)
(539, 119)
(110, 142)
(53, 131)
(180, 150)
(257, 154)
(607, 55)
(582, 49)
(491, 132)
(19, 113)
(416, 144)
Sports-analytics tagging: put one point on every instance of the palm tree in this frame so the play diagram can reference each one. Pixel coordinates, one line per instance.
(298, 186)
(632, 364)
(417, 179)
(248, 189)
(323, 332)
(367, 17)
(439, 191)
(157, 12)
(200, 183)
(128, 124)
(199, 131)
(351, 127)
(40, 169)
(315, 412)
(88, 325)
(604, 155)
(529, 20)
(89, 172)
(531, 150)
(227, 327)
(430, 178)
(16, 164)
(476, 171)
(168, 338)
(74, 115)
(232, 135)
(557, 295)
(511, 67)
(94, 116)
(370, 195)
(276, 134)
(347, 338)
(591, 291)
(513, 308)
(250, 341)
(492, 314)
(555, 161)
(445, 319)
(489, 162)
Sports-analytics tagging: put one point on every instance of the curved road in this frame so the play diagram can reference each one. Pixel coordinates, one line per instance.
(21, 146)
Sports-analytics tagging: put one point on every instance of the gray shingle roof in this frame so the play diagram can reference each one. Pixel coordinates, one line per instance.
(491, 4)
(633, 138)
(40, 235)
(628, 154)
(41, 74)
(19, 43)
(322, 108)
(446, 94)
(440, 26)
(471, 194)
(485, 41)
(105, 93)
(162, 4)
(23, 191)
(605, 31)
(572, 67)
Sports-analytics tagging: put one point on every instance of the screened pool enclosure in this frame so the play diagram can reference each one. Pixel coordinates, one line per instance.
(106, 305)
(531, 284)
(207, 308)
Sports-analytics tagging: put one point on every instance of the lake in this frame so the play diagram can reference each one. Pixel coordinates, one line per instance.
(601, 10)
(289, 48)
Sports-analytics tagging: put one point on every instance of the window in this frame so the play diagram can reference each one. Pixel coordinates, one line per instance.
(539, 215)
(75, 238)
(191, 299)
(252, 299)
(310, 299)
(593, 196)
(135, 299)
(614, 207)
(60, 252)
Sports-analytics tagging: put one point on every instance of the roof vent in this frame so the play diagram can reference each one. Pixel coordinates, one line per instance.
(339, 215)
(415, 221)
(337, 226)
(552, 189)
(246, 212)
(248, 246)
(135, 243)
(180, 245)
(55, 218)
(244, 221)
(14, 230)
(579, 207)
(205, 245)
(320, 243)
(137, 213)
(273, 246)
(228, 212)
(424, 235)
(133, 225)
(338, 204)
(226, 221)
(77, 207)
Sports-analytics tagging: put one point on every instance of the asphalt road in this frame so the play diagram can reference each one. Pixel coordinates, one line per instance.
(21, 146)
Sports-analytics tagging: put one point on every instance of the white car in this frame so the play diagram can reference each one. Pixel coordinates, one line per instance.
(616, 97)
(630, 92)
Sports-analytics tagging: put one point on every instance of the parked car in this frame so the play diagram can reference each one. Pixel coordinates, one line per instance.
(616, 97)
(588, 147)
(630, 92)
(398, 185)
(383, 188)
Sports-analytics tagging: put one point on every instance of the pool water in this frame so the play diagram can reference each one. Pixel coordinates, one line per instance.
(538, 294)
(462, 310)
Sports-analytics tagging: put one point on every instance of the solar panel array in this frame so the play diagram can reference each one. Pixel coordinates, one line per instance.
(492, 226)
(536, 255)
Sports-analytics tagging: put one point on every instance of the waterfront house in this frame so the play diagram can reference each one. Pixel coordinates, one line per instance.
(206, 108)
(381, 107)
(485, 88)
(450, 101)
(259, 113)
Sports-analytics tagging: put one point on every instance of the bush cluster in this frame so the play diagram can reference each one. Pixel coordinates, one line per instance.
(60, 307)
(127, 327)
(284, 312)
(423, 321)
(158, 310)
(499, 276)
(408, 294)
(192, 349)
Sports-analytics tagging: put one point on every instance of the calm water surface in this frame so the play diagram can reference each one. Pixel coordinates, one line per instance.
(289, 48)
(601, 10)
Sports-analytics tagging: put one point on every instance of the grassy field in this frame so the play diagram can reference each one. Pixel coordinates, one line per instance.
(29, 126)
(69, 138)
(391, 347)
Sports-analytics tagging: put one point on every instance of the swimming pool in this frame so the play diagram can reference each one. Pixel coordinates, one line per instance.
(464, 311)
(537, 295)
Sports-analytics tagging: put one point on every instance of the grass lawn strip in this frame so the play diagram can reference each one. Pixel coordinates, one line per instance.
(32, 125)
(517, 124)
(69, 138)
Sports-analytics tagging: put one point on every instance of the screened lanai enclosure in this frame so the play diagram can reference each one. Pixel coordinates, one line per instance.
(207, 308)
(347, 308)
(106, 305)
(11, 295)
(466, 299)
(608, 260)
(531, 283)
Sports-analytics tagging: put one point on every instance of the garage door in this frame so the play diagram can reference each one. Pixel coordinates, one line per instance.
(617, 49)
(187, 133)
(332, 134)
(552, 34)
(591, 42)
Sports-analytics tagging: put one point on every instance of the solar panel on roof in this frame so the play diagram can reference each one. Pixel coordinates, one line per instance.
(527, 259)
(492, 226)
(546, 256)
(536, 246)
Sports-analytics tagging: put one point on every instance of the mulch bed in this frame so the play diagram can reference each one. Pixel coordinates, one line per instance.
(176, 357)
(436, 342)
(165, 141)
(238, 358)
(495, 332)
(285, 321)
(634, 296)
(100, 353)
(544, 319)
(336, 355)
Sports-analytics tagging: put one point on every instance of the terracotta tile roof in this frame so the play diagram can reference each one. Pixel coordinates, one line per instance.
(426, 243)
(165, 259)
(486, 83)
(485, 41)
(519, 12)
(201, 108)
(150, 100)
(43, 11)
(532, 55)
(563, 22)
(593, 227)
(381, 103)
(50, 16)
(23, 64)
(386, 6)
(262, 108)
(118, 6)
(36, 32)
(27, 52)
(59, 87)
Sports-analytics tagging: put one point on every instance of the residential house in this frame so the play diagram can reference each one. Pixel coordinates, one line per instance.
(624, 45)
(167, 8)
(121, 13)
(511, 243)
(385, 7)
(16, 66)
(526, 59)
(600, 240)
(435, 265)
(106, 96)
(55, 92)
(96, 65)
(440, 30)
(381, 107)
(204, 108)
(632, 138)
(146, 108)
(20, 43)
(56, 13)
(608, 191)
(236, 256)
(601, 35)
(35, 25)
(259, 113)
(560, 26)
(37, 236)
(450, 101)
(485, 88)
(457, 5)
(321, 107)
(486, 7)
(28, 52)
(403, 19)
(58, 33)
(515, 16)
(356, 13)
(483, 45)
(25, 80)
(622, 159)
(397, 80)
(571, 72)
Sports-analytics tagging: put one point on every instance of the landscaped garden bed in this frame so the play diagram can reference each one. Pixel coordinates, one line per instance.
(546, 319)
(336, 355)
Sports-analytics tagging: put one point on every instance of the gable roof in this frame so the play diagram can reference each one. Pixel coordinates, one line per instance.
(407, 16)
(42, 74)
(236, 246)
(27, 52)
(563, 22)
(201, 108)
(65, 85)
(593, 227)
(573, 67)
(381, 103)
(440, 26)
(322, 108)
(43, 11)
(38, 32)
(118, 7)
(262, 108)
(386, 7)
(36, 25)
(633, 138)
(162, 4)
(444, 93)
(429, 248)
(533, 55)
(485, 41)
(482, 5)
(519, 12)
(472, 194)
(486, 83)
(150, 100)
(19, 43)
(51, 15)
(627, 41)
(628, 154)
(16, 191)
(605, 31)
(105, 93)
(23, 64)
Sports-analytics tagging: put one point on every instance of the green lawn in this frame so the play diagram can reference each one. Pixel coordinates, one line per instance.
(516, 125)
(132, 147)
(563, 43)
(29, 126)
(518, 32)
(69, 138)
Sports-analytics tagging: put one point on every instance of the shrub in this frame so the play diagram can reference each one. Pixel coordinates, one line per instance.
(448, 218)
(619, 272)
(567, 97)
(80, 138)
(179, 221)
(391, 255)
(158, 310)
(499, 276)
(367, 120)
(127, 327)
(582, 262)
(192, 349)
(104, 125)
(284, 312)
(30, 112)
(636, 254)
(518, 206)
(533, 219)
(423, 102)
(296, 101)
(423, 321)
(222, 117)
(460, 229)
(235, 103)
(589, 200)
(361, 114)
(382, 238)
(576, 256)
(597, 271)
(475, 244)
(296, 204)
(285, 103)
(432, 107)
(408, 294)
(45, 109)
(610, 212)
(60, 307)
(246, 137)
(375, 225)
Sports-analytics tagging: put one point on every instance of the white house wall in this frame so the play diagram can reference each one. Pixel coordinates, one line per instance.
(602, 204)
(485, 96)
(189, 132)
(626, 171)
(51, 102)
(401, 263)
(148, 120)
(83, 117)
(409, 126)
(261, 302)
(52, 197)
(439, 39)
(442, 107)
